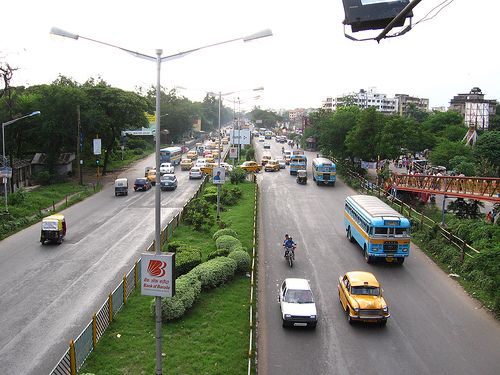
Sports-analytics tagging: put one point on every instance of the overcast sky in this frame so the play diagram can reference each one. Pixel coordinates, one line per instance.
(306, 60)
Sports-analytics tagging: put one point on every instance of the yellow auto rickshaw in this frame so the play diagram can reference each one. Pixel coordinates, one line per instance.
(53, 229)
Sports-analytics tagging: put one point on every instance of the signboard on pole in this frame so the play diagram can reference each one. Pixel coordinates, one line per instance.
(240, 137)
(218, 175)
(6, 172)
(97, 146)
(233, 153)
(157, 275)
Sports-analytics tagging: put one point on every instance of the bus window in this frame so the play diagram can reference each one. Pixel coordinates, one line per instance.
(381, 231)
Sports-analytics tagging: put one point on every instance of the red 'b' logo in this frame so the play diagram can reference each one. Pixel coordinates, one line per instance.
(157, 268)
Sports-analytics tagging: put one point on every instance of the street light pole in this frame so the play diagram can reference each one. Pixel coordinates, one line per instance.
(220, 156)
(3, 151)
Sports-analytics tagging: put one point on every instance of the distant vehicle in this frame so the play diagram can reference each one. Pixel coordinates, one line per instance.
(193, 155)
(287, 154)
(186, 164)
(195, 173)
(361, 298)
(171, 155)
(381, 231)
(166, 168)
(168, 182)
(281, 162)
(297, 304)
(250, 166)
(265, 158)
(142, 184)
(152, 177)
(272, 166)
(226, 166)
(261, 139)
(268, 134)
(297, 162)
(267, 145)
(301, 176)
(121, 186)
(53, 229)
(324, 171)
(146, 171)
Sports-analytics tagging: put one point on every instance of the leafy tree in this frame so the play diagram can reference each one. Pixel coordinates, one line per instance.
(487, 148)
(268, 118)
(416, 138)
(447, 150)
(363, 140)
(391, 138)
(454, 133)
(415, 113)
(463, 164)
(438, 121)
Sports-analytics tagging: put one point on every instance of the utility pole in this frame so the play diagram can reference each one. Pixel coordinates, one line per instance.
(79, 144)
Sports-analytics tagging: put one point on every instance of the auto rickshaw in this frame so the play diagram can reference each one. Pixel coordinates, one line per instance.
(302, 176)
(53, 229)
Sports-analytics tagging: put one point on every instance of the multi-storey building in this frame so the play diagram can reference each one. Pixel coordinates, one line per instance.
(406, 101)
(477, 110)
(363, 99)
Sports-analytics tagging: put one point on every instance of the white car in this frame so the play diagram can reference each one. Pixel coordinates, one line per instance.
(297, 303)
(281, 162)
(226, 166)
(166, 168)
(195, 172)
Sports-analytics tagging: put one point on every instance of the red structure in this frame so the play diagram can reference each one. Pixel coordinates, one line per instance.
(481, 188)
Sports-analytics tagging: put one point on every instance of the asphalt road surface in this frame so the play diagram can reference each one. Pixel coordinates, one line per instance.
(49, 293)
(435, 327)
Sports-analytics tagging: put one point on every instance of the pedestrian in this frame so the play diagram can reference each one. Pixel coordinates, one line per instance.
(489, 217)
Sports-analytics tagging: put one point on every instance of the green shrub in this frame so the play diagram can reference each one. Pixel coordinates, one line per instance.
(250, 154)
(210, 194)
(242, 259)
(225, 231)
(137, 143)
(237, 175)
(43, 178)
(227, 242)
(187, 291)
(218, 253)
(174, 245)
(17, 198)
(215, 272)
(230, 195)
(186, 259)
(198, 214)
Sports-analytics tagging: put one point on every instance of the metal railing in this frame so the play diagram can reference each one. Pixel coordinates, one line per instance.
(252, 285)
(80, 348)
(423, 221)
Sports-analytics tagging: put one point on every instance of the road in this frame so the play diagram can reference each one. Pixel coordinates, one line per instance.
(49, 293)
(435, 327)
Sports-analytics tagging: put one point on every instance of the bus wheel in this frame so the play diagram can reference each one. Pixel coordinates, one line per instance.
(368, 258)
(349, 235)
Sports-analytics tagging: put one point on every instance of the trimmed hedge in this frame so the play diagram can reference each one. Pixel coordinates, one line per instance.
(242, 260)
(227, 242)
(218, 253)
(186, 259)
(215, 272)
(225, 231)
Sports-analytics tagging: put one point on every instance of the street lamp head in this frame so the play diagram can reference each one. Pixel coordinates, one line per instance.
(261, 34)
(259, 89)
(61, 32)
(35, 113)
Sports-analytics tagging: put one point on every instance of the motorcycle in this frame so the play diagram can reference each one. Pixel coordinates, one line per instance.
(290, 255)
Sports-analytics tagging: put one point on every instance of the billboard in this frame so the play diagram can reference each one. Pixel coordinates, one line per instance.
(240, 137)
(157, 275)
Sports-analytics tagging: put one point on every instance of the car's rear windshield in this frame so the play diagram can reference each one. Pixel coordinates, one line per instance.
(139, 181)
(298, 296)
(169, 178)
(365, 290)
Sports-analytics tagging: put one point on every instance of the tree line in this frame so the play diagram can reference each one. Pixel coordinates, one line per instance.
(103, 111)
(354, 133)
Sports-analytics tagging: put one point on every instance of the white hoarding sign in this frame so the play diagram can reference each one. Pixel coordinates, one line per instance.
(233, 153)
(240, 137)
(218, 175)
(97, 146)
(157, 275)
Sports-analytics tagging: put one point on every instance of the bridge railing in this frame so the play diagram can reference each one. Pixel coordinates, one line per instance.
(369, 187)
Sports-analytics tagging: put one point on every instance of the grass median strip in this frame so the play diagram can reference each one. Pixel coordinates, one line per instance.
(210, 338)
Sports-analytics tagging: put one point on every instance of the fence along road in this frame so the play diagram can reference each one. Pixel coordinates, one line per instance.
(49, 293)
(435, 328)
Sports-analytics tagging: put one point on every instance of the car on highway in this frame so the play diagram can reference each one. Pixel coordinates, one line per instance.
(250, 166)
(361, 298)
(152, 176)
(193, 155)
(272, 166)
(226, 166)
(267, 145)
(261, 139)
(166, 168)
(265, 158)
(142, 183)
(297, 304)
(195, 173)
(186, 164)
(168, 182)
(281, 162)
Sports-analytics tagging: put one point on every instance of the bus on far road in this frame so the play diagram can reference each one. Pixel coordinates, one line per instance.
(297, 162)
(171, 155)
(381, 231)
(324, 171)
(268, 134)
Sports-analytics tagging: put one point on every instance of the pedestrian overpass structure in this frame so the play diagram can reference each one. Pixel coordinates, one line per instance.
(480, 188)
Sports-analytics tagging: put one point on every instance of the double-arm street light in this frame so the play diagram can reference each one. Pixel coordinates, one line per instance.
(159, 60)
(3, 152)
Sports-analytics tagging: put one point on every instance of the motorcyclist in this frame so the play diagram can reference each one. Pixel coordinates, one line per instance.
(289, 245)
(283, 149)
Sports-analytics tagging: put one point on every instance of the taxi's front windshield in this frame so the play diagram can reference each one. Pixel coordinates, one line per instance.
(365, 290)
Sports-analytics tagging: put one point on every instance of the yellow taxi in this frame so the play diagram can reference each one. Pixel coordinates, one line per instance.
(152, 176)
(251, 166)
(360, 295)
(210, 158)
(186, 164)
(272, 166)
(265, 159)
(225, 141)
(193, 155)
(208, 168)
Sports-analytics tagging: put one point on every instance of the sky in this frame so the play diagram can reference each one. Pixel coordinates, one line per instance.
(307, 59)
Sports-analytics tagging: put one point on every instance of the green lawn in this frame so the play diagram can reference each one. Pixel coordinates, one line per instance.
(212, 338)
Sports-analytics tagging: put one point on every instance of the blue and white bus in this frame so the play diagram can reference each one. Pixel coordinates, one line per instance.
(297, 162)
(381, 231)
(324, 171)
(171, 155)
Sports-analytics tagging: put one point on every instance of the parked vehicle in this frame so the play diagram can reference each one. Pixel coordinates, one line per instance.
(301, 176)
(121, 186)
(168, 182)
(297, 304)
(142, 184)
(53, 229)
(195, 172)
(361, 298)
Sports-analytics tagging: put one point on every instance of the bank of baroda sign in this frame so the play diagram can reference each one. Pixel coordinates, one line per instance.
(157, 275)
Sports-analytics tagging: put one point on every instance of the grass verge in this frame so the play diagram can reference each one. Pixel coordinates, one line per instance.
(211, 338)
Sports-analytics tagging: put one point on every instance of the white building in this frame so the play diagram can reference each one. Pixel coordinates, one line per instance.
(363, 99)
